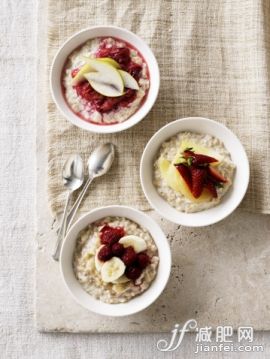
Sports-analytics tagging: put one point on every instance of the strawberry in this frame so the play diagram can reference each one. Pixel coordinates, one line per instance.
(199, 159)
(211, 188)
(185, 173)
(215, 175)
(198, 175)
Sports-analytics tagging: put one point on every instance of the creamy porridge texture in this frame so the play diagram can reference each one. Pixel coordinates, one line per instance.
(193, 171)
(115, 259)
(90, 104)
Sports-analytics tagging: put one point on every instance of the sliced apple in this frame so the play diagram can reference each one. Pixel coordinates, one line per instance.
(106, 80)
(107, 60)
(80, 75)
(129, 81)
(177, 183)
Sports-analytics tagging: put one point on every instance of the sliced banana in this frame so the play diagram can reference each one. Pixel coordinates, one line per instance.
(121, 280)
(129, 81)
(112, 270)
(98, 263)
(136, 242)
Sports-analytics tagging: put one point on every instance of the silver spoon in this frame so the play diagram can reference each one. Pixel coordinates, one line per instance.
(99, 163)
(73, 174)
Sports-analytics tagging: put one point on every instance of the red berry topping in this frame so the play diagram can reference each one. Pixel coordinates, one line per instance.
(133, 272)
(198, 175)
(143, 260)
(211, 188)
(119, 54)
(134, 70)
(185, 173)
(199, 159)
(74, 72)
(118, 249)
(129, 256)
(110, 235)
(105, 253)
(216, 175)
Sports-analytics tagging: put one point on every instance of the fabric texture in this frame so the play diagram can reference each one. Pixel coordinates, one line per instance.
(214, 62)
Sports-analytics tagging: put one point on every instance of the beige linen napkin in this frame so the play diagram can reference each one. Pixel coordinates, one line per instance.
(214, 62)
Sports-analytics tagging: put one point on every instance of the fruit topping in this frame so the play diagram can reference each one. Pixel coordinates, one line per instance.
(112, 270)
(118, 249)
(110, 235)
(143, 260)
(129, 256)
(185, 173)
(198, 159)
(134, 70)
(216, 175)
(105, 253)
(133, 272)
(129, 81)
(105, 78)
(78, 74)
(137, 243)
(211, 188)
(74, 72)
(198, 176)
(119, 54)
(198, 173)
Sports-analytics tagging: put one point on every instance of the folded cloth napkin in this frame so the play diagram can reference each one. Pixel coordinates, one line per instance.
(214, 59)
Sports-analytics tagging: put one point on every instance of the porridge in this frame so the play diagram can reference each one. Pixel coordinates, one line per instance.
(115, 259)
(105, 81)
(193, 171)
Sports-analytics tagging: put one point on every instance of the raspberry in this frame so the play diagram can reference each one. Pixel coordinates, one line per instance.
(110, 235)
(105, 253)
(143, 260)
(129, 256)
(74, 72)
(117, 249)
(134, 70)
(133, 272)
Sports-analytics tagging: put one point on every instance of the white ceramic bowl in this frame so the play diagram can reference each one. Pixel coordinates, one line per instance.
(78, 39)
(136, 304)
(231, 199)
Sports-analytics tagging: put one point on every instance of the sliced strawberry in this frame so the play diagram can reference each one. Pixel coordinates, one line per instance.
(199, 159)
(185, 173)
(198, 175)
(211, 188)
(216, 175)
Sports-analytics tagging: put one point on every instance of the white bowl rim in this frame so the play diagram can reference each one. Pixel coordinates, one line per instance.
(189, 222)
(163, 273)
(146, 106)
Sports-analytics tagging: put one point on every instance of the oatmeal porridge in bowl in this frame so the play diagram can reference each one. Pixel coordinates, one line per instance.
(104, 79)
(115, 260)
(194, 171)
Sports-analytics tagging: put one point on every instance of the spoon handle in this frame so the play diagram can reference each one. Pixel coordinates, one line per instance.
(77, 203)
(62, 230)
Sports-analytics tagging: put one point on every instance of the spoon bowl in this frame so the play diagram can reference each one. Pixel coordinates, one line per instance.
(100, 160)
(73, 172)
